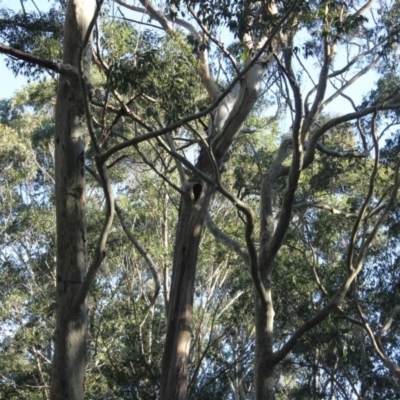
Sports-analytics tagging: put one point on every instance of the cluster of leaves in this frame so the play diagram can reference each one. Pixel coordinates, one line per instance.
(39, 34)
(389, 31)
(159, 68)
(240, 17)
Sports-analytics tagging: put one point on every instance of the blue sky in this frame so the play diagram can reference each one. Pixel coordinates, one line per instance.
(8, 81)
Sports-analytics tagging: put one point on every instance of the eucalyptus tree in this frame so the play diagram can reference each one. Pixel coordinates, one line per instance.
(270, 35)
(69, 360)
(149, 97)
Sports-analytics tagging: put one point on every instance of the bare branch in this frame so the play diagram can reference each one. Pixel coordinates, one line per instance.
(323, 206)
(214, 39)
(389, 322)
(294, 171)
(50, 65)
(353, 270)
(171, 144)
(226, 240)
(341, 153)
(267, 220)
(376, 340)
(352, 62)
(321, 89)
(310, 153)
(153, 167)
(151, 10)
(365, 7)
(360, 217)
(240, 205)
(162, 19)
(143, 252)
(350, 82)
(103, 179)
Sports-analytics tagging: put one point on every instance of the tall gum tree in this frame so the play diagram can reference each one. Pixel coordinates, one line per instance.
(74, 277)
(333, 21)
(225, 126)
(69, 361)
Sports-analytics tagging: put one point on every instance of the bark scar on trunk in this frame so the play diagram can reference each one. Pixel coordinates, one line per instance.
(197, 190)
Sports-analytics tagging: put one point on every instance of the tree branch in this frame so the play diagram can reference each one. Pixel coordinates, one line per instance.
(215, 104)
(360, 217)
(294, 171)
(321, 89)
(50, 65)
(350, 82)
(226, 240)
(310, 153)
(240, 205)
(342, 291)
(143, 252)
(323, 206)
(341, 153)
(214, 39)
(104, 180)
(151, 10)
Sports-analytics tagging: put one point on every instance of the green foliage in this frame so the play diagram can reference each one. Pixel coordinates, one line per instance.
(39, 34)
(160, 68)
(239, 16)
(157, 77)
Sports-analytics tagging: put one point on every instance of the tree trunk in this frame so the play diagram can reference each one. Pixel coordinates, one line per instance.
(264, 365)
(264, 368)
(227, 124)
(174, 382)
(69, 362)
